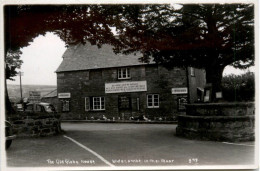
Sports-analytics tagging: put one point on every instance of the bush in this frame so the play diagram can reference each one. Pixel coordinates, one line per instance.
(239, 87)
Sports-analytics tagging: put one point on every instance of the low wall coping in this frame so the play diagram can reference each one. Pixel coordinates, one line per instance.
(231, 104)
(216, 117)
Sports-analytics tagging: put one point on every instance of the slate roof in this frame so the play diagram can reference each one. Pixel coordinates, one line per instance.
(53, 93)
(85, 57)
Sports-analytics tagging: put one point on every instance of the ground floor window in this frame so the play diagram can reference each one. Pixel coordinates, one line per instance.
(153, 100)
(94, 103)
(98, 103)
(65, 105)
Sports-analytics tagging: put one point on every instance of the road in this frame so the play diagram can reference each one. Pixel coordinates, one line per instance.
(110, 144)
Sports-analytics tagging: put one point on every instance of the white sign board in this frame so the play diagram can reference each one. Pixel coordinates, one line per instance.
(34, 96)
(131, 86)
(206, 98)
(218, 95)
(19, 106)
(63, 95)
(182, 90)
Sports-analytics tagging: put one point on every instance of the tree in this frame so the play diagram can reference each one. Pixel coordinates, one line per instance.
(12, 62)
(73, 24)
(239, 87)
(208, 36)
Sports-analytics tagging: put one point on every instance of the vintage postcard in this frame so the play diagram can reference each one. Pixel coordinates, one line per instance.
(114, 85)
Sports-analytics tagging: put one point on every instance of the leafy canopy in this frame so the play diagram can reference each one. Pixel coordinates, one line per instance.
(205, 36)
(73, 24)
(194, 35)
(239, 87)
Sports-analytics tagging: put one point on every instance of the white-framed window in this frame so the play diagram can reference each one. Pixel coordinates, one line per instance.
(98, 103)
(192, 71)
(124, 73)
(153, 100)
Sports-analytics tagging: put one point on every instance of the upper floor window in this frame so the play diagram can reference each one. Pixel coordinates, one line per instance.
(153, 100)
(124, 73)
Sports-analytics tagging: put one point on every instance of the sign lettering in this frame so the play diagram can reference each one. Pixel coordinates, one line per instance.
(133, 86)
(63, 95)
(182, 90)
(34, 96)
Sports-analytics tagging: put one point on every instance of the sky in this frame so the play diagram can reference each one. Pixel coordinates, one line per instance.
(44, 55)
(40, 61)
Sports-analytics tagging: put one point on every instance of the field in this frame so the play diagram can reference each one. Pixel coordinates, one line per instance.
(15, 95)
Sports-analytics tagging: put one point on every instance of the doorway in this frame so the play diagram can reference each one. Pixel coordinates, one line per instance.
(125, 107)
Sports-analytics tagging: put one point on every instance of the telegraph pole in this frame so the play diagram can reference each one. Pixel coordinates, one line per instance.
(21, 90)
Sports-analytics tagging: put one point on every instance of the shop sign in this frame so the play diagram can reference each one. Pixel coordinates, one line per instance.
(63, 95)
(218, 95)
(182, 90)
(133, 86)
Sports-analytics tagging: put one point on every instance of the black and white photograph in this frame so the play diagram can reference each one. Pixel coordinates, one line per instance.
(129, 85)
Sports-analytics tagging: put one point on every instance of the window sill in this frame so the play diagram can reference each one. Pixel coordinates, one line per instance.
(155, 107)
(97, 110)
(124, 78)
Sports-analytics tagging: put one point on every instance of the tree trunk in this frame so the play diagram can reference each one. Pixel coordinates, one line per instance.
(214, 77)
(9, 110)
(8, 106)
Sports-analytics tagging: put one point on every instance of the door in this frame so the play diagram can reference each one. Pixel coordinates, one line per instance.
(124, 107)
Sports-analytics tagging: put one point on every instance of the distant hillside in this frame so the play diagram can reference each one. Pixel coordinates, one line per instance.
(15, 95)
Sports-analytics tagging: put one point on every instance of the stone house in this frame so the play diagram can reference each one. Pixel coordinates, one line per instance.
(94, 82)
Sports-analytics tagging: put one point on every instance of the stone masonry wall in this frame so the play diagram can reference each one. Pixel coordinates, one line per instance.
(91, 83)
(218, 121)
(35, 126)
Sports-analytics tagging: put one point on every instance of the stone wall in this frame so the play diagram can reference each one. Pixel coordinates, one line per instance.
(218, 121)
(220, 109)
(35, 126)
